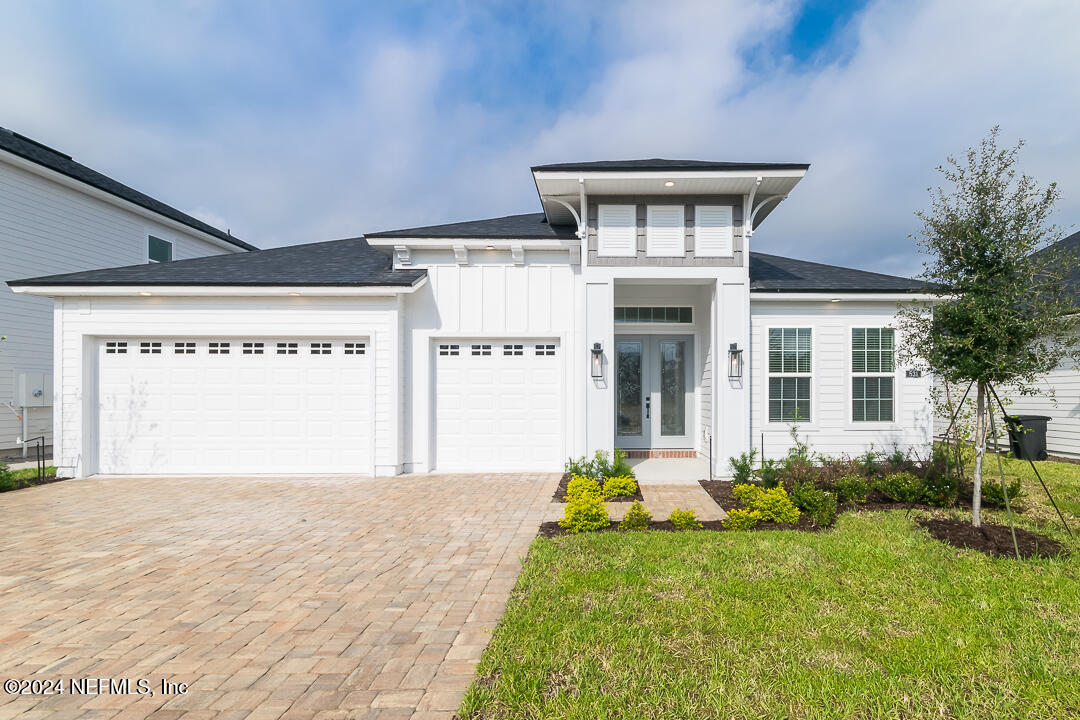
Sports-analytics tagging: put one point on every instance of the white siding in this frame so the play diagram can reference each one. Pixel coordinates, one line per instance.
(81, 322)
(1059, 398)
(616, 233)
(47, 228)
(830, 430)
(713, 233)
(495, 300)
(665, 231)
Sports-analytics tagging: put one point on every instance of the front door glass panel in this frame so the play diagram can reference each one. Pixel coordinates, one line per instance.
(628, 415)
(672, 387)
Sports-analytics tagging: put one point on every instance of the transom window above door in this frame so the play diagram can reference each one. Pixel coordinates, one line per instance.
(667, 314)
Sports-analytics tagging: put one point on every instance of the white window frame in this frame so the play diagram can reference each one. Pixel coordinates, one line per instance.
(850, 422)
(718, 246)
(665, 240)
(809, 423)
(604, 232)
(170, 243)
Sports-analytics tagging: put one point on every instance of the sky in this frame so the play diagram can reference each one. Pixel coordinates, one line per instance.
(292, 122)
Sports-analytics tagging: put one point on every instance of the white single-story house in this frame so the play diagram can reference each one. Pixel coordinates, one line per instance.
(58, 216)
(629, 313)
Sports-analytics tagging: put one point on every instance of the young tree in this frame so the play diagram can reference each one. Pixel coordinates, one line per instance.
(1003, 312)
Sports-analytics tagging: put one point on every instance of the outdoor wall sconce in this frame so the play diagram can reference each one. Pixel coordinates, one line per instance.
(597, 363)
(734, 355)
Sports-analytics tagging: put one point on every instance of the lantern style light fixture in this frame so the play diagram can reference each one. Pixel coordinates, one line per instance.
(735, 361)
(597, 361)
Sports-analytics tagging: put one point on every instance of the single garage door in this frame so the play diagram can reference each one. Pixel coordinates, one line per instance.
(234, 405)
(498, 405)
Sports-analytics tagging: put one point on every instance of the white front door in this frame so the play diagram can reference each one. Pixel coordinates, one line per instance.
(234, 405)
(498, 405)
(654, 391)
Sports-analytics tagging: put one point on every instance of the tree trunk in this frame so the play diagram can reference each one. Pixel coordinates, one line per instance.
(980, 451)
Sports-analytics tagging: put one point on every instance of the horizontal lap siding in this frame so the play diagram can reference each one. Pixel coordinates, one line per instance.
(375, 318)
(45, 229)
(1059, 398)
(831, 432)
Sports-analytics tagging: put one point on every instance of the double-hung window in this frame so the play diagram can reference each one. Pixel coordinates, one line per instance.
(790, 373)
(873, 367)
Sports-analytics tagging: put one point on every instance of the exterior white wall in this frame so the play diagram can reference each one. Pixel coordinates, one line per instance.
(1058, 398)
(494, 298)
(48, 227)
(80, 322)
(830, 430)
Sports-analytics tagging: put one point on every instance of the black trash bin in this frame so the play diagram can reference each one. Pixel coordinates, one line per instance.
(1027, 436)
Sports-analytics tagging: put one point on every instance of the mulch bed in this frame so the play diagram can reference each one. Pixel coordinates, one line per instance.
(995, 540)
(560, 493)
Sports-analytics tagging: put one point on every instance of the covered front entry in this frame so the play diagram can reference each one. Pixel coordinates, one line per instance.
(654, 391)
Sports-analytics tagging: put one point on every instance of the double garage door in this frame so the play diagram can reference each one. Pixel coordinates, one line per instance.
(234, 405)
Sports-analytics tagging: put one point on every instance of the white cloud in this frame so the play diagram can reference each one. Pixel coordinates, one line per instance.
(287, 128)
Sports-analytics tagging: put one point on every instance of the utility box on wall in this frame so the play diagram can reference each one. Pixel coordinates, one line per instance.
(34, 390)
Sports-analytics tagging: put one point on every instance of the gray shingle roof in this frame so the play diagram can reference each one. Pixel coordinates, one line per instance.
(781, 274)
(45, 156)
(664, 164)
(350, 262)
(530, 226)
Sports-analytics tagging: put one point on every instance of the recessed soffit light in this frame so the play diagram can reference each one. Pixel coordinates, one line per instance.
(145, 294)
(669, 183)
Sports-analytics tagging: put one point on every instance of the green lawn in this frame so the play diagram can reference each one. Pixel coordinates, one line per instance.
(871, 619)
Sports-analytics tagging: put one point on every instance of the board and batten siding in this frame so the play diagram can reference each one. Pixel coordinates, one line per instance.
(830, 430)
(82, 322)
(489, 298)
(47, 228)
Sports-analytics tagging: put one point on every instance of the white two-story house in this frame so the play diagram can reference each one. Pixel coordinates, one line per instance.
(631, 312)
(57, 216)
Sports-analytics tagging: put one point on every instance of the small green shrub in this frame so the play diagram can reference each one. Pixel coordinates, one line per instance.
(941, 488)
(7, 479)
(585, 512)
(747, 494)
(741, 520)
(684, 520)
(636, 518)
(773, 504)
(742, 467)
(583, 485)
(851, 488)
(992, 496)
(600, 466)
(902, 487)
(868, 463)
(897, 457)
(770, 473)
(820, 506)
(620, 486)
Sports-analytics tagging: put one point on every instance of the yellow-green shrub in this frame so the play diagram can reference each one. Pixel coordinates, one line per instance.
(741, 519)
(620, 486)
(773, 504)
(684, 520)
(583, 485)
(747, 494)
(585, 512)
(636, 518)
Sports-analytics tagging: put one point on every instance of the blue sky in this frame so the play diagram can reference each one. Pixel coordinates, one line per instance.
(297, 122)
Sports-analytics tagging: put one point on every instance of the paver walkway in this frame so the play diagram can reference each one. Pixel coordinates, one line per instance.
(291, 598)
(660, 500)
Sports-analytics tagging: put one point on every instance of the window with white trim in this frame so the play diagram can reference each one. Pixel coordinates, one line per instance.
(158, 250)
(286, 348)
(665, 231)
(150, 348)
(183, 348)
(616, 230)
(219, 348)
(253, 348)
(873, 364)
(546, 349)
(450, 349)
(116, 348)
(790, 365)
(355, 348)
(513, 349)
(481, 349)
(320, 348)
(713, 233)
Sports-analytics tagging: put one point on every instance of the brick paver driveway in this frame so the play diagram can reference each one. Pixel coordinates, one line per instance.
(271, 597)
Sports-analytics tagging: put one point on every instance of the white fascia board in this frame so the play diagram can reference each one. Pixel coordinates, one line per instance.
(214, 290)
(80, 186)
(443, 243)
(665, 174)
(758, 296)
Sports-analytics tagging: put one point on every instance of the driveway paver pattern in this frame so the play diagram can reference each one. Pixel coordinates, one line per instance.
(272, 598)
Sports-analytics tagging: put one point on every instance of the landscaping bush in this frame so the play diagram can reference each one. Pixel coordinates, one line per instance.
(741, 520)
(820, 506)
(773, 504)
(742, 467)
(620, 486)
(583, 485)
(868, 463)
(600, 466)
(684, 520)
(851, 488)
(992, 496)
(585, 512)
(770, 473)
(636, 518)
(902, 487)
(7, 479)
(941, 489)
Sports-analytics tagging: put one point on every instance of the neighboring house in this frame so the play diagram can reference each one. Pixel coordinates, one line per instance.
(59, 216)
(1060, 390)
(629, 313)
